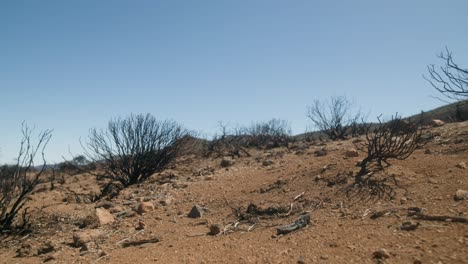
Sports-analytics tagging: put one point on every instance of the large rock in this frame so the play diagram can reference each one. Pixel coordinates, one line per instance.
(461, 195)
(381, 254)
(437, 122)
(351, 153)
(104, 217)
(145, 207)
(196, 212)
(226, 162)
(462, 165)
(86, 236)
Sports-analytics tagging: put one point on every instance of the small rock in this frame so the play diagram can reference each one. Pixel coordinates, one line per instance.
(126, 213)
(267, 162)
(104, 204)
(196, 212)
(427, 151)
(461, 195)
(351, 153)
(437, 123)
(462, 165)
(167, 200)
(409, 226)
(145, 207)
(324, 257)
(321, 152)
(403, 200)
(24, 251)
(318, 178)
(433, 181)
(104, 217)
(381, 254)
(83, 237)
(45, 248)
(140, 225)
(116, 209)
(48, 258)
(214, 230)
(226, 162)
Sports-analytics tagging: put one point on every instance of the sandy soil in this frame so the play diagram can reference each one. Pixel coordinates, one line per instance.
(348, 225)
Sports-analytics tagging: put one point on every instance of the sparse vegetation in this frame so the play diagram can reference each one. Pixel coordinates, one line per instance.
(236, 141)
(134, 148)
(19, 180)
(451, 80)
(395, 139)
(335, 117)
(270, 134)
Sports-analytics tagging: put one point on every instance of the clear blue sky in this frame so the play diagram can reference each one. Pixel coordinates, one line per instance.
(73, 65)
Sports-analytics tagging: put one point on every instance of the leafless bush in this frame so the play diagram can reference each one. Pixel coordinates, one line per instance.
(396, 139)
(134, 148)
(230, 142)
(271, 134)
(234, 141)
(450, 79)
(335, 118)
(19, 180)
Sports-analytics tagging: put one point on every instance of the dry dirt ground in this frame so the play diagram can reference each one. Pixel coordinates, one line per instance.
(348, 225)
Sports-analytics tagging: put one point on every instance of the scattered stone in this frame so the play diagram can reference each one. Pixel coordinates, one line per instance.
(215, 229)
(437, 123)
(140, 225)
(226, 162)
(126, 213)
(104, 217)
(48, 258)
(462, 165)
(427, 151)
(116, 209)
(301, 260)
(433, 181)
(318, 178)
(381, 254)
(24, 251)
(461, 195)
(268, 162)
(409, 226)
(104, 204)
(145, 207)
(45, 248)
(196, 212)
(277, 184)
(167, 200)
(351, 153)
(320, 152)
(403, 200)
(83, 237)
(324, 257)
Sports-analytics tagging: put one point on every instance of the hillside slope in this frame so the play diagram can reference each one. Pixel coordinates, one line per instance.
(347, 225)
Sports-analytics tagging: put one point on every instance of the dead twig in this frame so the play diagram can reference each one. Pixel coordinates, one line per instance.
(141, 242)
(299, 196)
(442, 218)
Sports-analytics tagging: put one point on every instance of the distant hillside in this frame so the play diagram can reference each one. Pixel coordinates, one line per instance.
(454, 112)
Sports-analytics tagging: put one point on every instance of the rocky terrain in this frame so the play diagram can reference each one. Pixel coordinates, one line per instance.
(234, 210)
